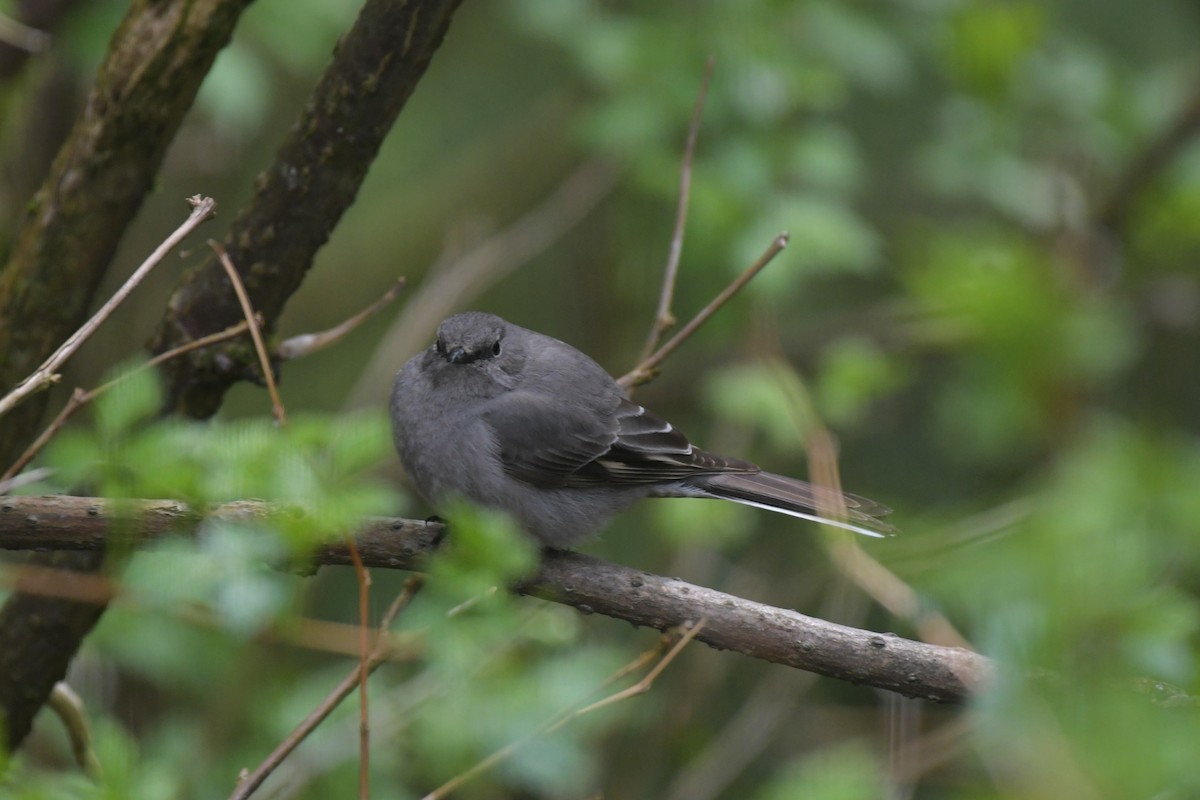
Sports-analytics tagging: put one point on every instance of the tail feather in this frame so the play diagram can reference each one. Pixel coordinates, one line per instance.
(799, 499)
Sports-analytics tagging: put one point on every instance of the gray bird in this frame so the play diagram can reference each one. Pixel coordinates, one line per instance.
(518, 421)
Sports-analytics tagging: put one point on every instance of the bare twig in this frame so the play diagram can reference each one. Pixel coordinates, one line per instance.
(664, 319)
(61, 584)
(641, 687)
(202, 209)
(364, 654)
(883, 585)
(80, 398)
(17, 481)
(16, 34)
(264, 360)
(308, 343)
(248, 784)
(645, 370)
(68, 707)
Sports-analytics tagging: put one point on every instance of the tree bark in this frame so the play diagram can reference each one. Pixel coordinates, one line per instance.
(67, 237)
(781, 636)
(70, 230)
(156, 62)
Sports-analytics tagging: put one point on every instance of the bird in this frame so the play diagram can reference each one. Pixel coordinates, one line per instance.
(518, 421)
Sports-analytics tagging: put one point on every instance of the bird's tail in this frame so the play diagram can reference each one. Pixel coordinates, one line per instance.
(800, 499)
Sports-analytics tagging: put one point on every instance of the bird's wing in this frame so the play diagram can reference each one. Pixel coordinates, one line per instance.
(543, 441)
(551, 445)
(648, 449)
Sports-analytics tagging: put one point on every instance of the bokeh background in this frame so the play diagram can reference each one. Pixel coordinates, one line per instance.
(990, 301)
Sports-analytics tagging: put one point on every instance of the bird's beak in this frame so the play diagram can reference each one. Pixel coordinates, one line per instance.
(457, 356)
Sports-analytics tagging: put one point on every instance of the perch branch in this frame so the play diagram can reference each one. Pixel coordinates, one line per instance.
(914, 669)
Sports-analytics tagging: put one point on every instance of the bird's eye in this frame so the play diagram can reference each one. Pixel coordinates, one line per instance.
(440, 347)
(496, 348)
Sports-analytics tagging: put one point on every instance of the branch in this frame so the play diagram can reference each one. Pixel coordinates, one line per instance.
(781, 636)
(301, 197)
(203, 208)
(70, 229)
(645, 370)
(664, 319)
(1148, 164)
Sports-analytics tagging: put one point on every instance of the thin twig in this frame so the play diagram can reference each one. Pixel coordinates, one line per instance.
(641, 687)
(80, 398)
(644, 371)
(202, 209)
(308, 343)
(263, 359)
(69, 708)
(15, 33)
(363, 578)
(664, 319)
(310, 634)
(8, 485)
(248, 784)
(879, 582)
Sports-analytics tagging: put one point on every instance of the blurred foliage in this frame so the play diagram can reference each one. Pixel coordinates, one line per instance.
(990, 297)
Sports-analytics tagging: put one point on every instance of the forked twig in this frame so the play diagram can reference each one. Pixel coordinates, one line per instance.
(80, 398)
(263, 359)
(663, 318)
(295, 347)
(641, 687)
(645, 370)
(202, 209)
(250, 782)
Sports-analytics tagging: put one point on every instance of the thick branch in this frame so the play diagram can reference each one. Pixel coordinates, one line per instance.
(70, 230)
(911, 668)
(34, 657)
(67, 236)
(300, 198)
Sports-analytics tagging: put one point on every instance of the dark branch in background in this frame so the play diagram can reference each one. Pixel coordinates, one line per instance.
(40, 109)
(300, 198)
(66, 239)
(914, 669)
(1148, 165)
